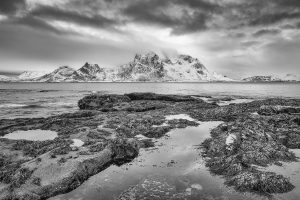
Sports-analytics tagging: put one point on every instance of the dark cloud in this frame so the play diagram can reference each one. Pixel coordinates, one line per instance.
(227, 27)
(199, 4)
(11, 6)
(88, 19)
(192, 15)
(36, 23)
(263, 32)
(272, 18)
(248, 44)
(182, 16)
(150, 12)
(288, 3)
(288, 26)
(236, 35)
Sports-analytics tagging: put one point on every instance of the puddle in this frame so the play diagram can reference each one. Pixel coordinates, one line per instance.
(77, 143)
(33, 135)
(141, 137)
(175, 158)
(171, 117)
(221, 102)
(235, 101)
(180, 116)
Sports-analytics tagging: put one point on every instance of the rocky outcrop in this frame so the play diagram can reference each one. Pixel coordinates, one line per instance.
(99, 102)
(273, 110)
(259, 141)
(139, 102)
(55, 176)
(159, 97)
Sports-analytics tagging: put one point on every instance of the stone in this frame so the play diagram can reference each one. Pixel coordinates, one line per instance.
(98, 102)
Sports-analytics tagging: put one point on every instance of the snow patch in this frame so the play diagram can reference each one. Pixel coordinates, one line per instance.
(230, 139)
(77, 143)
(235, 101)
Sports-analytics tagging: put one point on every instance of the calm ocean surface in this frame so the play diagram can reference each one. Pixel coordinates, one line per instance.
(45, 99)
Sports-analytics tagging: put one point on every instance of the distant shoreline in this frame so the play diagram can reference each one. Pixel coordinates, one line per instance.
(154, 82)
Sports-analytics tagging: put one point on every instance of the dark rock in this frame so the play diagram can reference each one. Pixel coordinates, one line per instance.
(98, 102)
(181, 123)
(146, 143)
(274, 110)
(258, 144)
(262, 182)
(124, 150)
(159, 97)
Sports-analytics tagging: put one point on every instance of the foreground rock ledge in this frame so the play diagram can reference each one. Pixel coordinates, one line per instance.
(108, 124)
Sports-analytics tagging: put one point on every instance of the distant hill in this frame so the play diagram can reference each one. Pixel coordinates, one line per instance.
(286, 78)
(29, 75)
(4, 78)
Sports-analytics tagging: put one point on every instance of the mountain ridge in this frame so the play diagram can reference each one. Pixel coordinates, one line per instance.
(149, 67)
(144, 67)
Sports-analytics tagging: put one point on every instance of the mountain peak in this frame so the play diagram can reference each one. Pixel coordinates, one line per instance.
(28, 75)
(89, 69)
(146, 58)
(188, 58)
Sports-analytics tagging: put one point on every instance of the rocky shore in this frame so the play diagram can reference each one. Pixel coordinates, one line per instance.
(254, 135)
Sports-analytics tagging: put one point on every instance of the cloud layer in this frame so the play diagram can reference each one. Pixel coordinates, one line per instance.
(230, 36)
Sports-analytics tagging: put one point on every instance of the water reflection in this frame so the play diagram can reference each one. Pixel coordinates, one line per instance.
(175, 157)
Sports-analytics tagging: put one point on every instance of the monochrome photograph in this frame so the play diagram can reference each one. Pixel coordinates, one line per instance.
(149, 99)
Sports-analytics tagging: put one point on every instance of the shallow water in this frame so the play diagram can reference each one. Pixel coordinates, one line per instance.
(33, 135)
(18, 100)
(180, 116)
(174, 157)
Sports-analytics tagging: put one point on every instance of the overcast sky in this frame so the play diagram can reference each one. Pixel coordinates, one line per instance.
(237, 38)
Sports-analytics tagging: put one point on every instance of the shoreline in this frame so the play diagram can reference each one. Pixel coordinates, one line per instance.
(108, 124)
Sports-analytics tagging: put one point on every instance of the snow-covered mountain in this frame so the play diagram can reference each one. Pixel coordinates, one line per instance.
(91, 72)
(28, 75)
(290, 77)
(272, 78)
(61, 74)
(4, 78)
(150, 67)
(147, 67)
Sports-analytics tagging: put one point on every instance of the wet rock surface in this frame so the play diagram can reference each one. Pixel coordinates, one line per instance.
(153, 187)
(259, 141)
(273, 110)
(108, 126)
